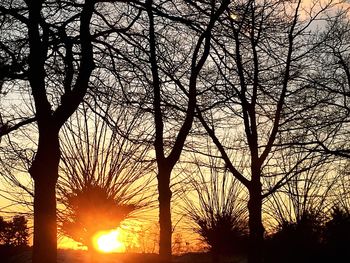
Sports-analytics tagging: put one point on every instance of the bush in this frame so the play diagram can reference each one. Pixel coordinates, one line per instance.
(298, 241)
(14, 233)
(337, 235)
(224, 233)
(14, 237)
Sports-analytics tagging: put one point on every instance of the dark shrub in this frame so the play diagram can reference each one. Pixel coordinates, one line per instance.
(14, 237)
(337, 235)
(224, 233)
(298, 241)
(14, 233)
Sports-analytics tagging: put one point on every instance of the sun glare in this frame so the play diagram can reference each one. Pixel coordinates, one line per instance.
(108, 241)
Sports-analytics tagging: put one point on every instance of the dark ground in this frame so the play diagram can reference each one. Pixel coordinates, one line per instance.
(79, 256)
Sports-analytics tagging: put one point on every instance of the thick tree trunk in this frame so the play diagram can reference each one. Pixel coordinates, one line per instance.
(256, 228)
(164, 214)
(44, 171)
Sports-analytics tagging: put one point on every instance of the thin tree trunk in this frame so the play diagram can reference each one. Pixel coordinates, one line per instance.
(256, 228)
(44, 171)
(164, 214)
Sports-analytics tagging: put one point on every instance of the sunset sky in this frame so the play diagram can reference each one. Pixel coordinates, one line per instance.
(247, 142)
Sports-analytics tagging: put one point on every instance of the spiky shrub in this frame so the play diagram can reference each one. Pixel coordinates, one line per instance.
(92, 209)
(104, 177)
(224, 233)
(215, 203)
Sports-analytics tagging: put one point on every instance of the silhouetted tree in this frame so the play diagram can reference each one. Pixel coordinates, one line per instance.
(301, 208)
(261, 53)
(14, 235)
(173, 49)
(57, 85)
(166, 158)
(328, 88)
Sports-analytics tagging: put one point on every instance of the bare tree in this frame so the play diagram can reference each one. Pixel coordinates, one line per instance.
(341, 196)
(328, 85)
(162, 56)
(166, 163)
(40, 42)
(261, 53)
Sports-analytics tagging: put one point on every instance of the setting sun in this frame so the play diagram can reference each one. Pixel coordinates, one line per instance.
(108, 241)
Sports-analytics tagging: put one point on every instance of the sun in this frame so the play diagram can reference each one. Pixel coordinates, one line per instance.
(108, 241)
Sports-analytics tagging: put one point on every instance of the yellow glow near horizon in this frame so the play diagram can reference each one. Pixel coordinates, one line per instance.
(108, 241)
